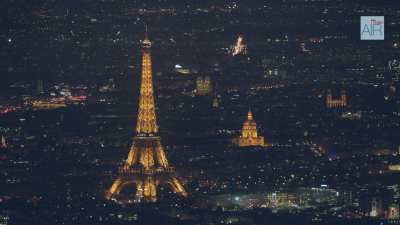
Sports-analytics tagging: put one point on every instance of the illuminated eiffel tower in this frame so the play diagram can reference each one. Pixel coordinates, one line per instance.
(146, 166)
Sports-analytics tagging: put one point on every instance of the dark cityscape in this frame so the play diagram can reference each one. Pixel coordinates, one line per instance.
(200, 112)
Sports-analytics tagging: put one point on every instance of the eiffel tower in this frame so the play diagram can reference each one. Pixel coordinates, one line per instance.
(146, 166)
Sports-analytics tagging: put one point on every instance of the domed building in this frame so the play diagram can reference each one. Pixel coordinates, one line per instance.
(249, 135)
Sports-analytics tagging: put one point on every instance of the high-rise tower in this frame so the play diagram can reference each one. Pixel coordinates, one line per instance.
(376, 208)
(146, 166)
(3, 143)
(393, 212)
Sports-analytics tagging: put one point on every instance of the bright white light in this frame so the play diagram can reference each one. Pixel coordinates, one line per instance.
(240, 47)
(9, 40)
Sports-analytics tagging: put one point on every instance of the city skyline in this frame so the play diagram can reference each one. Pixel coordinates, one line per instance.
(200, 112)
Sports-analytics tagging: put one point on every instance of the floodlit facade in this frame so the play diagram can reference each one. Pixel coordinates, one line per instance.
(249, 136)
(336, 103)
(203, 85)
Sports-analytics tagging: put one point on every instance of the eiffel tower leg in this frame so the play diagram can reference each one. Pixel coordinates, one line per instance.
(131, 156)
(160, 154)
(139, 190)
(176, 186)
(115, 188)
(146, 190)
(150, 191)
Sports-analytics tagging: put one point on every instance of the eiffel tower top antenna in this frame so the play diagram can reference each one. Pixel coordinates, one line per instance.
(146, 35)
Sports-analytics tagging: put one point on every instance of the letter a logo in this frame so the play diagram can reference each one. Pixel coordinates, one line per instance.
(372, 28)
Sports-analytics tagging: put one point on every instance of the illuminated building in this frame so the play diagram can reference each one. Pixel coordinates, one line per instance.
(249, 135)
(240, 47)
(318, 149)
(3, 142)
(110, 86)
(351, 115)
(318, 194)
(146, 165)
(393, 212)
(215, 103)
(336, 103)
(203, 85)
(182, 70)
(45, 104)
(7, 109)
(394, 69)
(395, 189)
(4, 219)
(40, 89)
(280, 200)
(395, 168)
(346, 197)
(390, 93)
(77, 99)
(376, 208)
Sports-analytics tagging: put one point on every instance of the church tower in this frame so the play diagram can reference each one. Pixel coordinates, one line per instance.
(336, 102)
